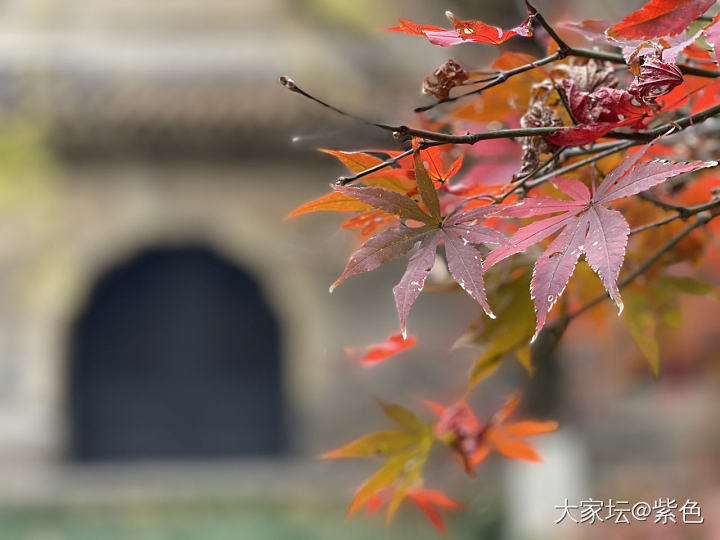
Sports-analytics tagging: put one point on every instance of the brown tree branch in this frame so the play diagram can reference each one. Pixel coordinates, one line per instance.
(471, 138)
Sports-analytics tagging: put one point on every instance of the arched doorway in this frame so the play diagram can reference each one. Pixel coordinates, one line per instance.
(175, 356)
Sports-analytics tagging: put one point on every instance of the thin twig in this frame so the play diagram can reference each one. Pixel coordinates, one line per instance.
(472, 138)
(290, 84)
(478, 81)
(657, 202)
(563, 97)
(563, 48)
(655, 224)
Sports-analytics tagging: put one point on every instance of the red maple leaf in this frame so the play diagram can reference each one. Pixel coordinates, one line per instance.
(586, 226)
(660, 18)
(395, 344)
(464, 31)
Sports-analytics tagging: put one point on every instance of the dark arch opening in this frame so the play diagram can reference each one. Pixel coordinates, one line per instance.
(176, 355)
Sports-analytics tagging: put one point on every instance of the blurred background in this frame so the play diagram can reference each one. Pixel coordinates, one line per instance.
(171, 363)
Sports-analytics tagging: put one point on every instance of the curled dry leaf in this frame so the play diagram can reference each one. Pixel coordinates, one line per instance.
(539, 114)
(444, 79)
(656, 78)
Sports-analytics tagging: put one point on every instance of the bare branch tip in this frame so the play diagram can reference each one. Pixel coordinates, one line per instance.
(287, 82)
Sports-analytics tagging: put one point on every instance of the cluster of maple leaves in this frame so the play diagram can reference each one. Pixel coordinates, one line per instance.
(415, 202)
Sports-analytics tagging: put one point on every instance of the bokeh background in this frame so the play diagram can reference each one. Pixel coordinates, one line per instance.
(171, 363)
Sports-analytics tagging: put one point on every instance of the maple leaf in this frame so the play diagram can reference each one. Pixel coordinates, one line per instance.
(388, 201)
(335, 202)
(459, 231)
(464, 260)
(464, 31)
(473, 441)
(395, 344)
(378, 444)
(406, 450)
(660, 18)
(585, 225)
(391, 179)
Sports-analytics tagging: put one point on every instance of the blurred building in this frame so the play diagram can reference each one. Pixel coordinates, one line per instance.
(156, 305)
